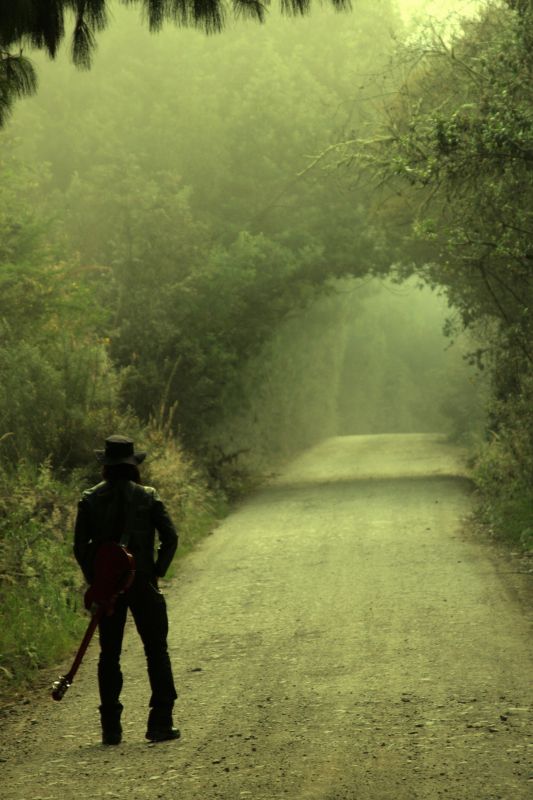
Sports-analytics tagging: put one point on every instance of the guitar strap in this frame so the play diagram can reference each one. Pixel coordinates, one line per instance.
(126, 492)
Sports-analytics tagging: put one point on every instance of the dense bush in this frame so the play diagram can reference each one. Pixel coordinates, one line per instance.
(504, 470)
(59, 397)
(39, 581)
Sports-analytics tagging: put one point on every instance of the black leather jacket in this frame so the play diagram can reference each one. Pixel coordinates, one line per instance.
(126, 512)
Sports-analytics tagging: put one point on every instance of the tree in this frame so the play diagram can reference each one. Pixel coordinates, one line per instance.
(57, 384)
(194, 229)
(457, 148)
(457, 145)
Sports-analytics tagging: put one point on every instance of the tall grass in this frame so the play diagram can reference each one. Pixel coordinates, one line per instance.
(182, 485)
(39, 582)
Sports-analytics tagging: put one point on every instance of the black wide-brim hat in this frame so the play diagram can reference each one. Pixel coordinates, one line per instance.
(119, 450)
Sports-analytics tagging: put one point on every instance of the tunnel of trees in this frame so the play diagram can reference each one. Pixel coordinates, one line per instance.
(234, 246)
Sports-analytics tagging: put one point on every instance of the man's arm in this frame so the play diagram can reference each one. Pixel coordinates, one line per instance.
(168, 536)
(82, 540)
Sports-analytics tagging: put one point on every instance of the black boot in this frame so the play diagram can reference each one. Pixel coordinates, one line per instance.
(160, 727)
(111, 727)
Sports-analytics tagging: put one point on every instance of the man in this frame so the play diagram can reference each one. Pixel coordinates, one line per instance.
(121, 509)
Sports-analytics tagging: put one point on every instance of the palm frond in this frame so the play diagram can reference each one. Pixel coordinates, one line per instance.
(14, 21)
(96, 14)
(46, 26)
(17, 79)
(6, 102)
(155, 11)
(250, 9)
(208, 15)
(294, 7)
(83, 42)
(18, 73)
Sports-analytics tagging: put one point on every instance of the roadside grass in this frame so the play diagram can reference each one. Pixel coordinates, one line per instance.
(509, 518)
(193, 506)
(38, 625)
(39, 582)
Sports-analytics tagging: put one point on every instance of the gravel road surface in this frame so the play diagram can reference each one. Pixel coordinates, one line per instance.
(341, 636)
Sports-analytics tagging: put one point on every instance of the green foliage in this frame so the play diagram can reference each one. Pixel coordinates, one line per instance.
(55, 401)
(185, 209)
(504, 469)
(59, 396)
(39, 583)
(460, 135)
(457, 146)
(193, 507)
(58, 388)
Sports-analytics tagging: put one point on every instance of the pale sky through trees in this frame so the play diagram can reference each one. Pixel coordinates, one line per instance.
(437, 8)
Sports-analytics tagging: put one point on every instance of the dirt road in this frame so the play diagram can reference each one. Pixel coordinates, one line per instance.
(339, 637)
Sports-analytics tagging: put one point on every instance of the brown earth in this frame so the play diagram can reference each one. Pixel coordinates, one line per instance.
(342, 636)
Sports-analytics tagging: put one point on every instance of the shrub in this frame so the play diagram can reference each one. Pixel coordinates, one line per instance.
(39, 580)
(504, 468)
(55, 400)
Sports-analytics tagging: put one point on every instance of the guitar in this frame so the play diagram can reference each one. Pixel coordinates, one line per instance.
(114, 571)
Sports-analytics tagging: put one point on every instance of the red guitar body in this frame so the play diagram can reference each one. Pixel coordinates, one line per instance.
(114, 571)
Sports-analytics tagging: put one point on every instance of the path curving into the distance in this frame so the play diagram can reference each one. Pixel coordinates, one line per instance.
(341, 636)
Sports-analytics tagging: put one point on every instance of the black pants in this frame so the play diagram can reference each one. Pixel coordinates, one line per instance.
(149, 611)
